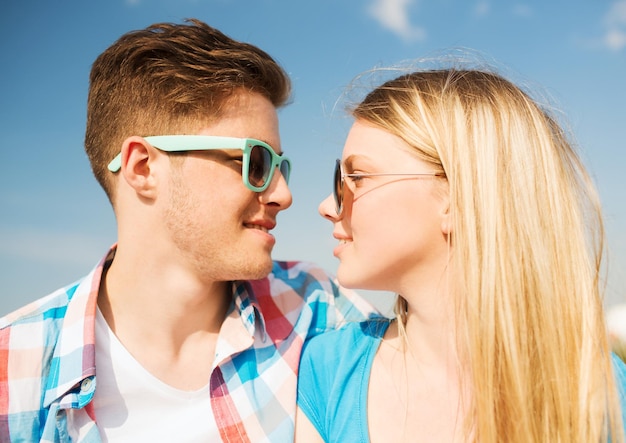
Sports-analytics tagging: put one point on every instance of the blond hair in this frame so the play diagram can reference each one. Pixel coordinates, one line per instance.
(526, 247)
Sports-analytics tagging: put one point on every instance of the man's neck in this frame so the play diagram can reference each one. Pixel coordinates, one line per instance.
(167, 320)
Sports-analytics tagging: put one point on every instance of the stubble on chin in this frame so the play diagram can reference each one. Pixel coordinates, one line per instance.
(257, 270)
(221, 268)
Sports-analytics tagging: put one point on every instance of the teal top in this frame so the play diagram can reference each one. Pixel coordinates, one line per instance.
(334, 378)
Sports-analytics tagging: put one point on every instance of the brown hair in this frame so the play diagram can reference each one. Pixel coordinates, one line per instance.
(170, 78)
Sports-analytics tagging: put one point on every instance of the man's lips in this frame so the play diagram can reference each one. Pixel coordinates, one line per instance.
(260, 228)
(262, 225)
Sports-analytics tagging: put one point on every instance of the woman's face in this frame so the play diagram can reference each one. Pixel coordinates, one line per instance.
(393, 229)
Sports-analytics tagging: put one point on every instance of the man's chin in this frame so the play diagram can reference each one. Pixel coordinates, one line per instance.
(258, 271)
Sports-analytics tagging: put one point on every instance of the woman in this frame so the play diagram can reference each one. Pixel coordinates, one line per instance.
(461, 194)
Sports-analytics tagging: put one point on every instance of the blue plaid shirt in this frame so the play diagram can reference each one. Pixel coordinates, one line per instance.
(47, 356)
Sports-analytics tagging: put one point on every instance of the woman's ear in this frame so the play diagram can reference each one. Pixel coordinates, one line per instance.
(138, 159)
(446, 217)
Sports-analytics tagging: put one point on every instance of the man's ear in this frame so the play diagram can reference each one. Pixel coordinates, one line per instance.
(138, 161)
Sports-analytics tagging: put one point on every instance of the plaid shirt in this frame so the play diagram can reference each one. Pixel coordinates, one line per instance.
(47, 356)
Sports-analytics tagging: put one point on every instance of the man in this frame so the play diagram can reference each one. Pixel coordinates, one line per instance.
(186, 330)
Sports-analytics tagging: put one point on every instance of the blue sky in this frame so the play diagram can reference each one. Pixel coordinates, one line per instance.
(55, 222)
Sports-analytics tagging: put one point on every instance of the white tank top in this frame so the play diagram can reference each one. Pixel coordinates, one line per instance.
(131, 405)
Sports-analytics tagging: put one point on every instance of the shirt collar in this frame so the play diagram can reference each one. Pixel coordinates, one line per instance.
(74, 354)
(246, 303)
(74, 357)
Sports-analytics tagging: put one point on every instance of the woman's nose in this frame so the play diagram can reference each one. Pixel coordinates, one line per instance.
(327, 208)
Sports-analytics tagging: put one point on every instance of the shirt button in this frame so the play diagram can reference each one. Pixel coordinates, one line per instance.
(85, 386)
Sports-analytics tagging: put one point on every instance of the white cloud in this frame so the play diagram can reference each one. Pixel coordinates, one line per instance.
(522, 10)
(394, 16)
(615, 26)
(615, 39)
(482, 8)
(616, 321)
(617, 14)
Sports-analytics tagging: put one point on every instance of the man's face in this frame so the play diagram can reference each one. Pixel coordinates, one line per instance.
(218, 226)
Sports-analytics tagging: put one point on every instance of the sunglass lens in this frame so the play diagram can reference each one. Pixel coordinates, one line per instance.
(285, 170)
(338, 188)
(259, 167)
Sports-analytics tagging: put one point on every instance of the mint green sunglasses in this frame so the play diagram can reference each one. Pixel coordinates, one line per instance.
(259, 159)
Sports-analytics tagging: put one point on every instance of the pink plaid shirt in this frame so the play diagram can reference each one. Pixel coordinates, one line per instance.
(47, 358)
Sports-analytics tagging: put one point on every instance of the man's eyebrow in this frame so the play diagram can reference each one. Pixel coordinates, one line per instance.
(277, 151)
(281, 152)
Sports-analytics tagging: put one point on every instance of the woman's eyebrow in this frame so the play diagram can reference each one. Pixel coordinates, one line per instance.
(348, 163)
